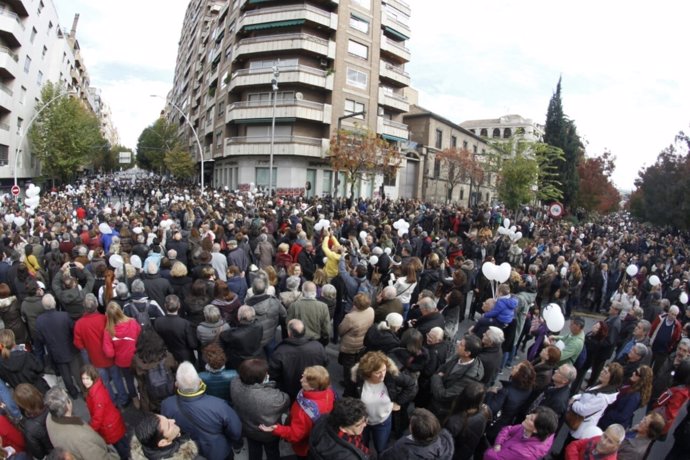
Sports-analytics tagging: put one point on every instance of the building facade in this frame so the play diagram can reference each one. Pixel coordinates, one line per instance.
(506, 127)
(34, 49)
(329, 58)
(432, 134)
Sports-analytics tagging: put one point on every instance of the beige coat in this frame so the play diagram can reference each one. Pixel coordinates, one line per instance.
(77, 437)
(353, 329)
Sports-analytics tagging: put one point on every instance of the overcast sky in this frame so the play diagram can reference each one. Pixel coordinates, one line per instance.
(624, 64)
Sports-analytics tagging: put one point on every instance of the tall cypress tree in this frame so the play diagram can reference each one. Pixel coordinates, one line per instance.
(561, 132)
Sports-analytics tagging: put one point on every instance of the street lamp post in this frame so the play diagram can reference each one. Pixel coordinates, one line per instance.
(26, 131)
(196, 136)
(340, 123)
(274, 84)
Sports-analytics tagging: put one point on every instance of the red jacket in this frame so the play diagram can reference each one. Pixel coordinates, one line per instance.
(11, 436)
(670, 403)
(583, 449)
(88, 335)
(675, 335)
(106, 420)
(124, 344)
(297, 432)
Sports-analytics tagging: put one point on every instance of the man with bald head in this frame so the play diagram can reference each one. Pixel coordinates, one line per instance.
(292, 356)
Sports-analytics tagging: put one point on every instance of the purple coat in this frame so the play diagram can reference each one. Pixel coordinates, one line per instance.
(515, 447)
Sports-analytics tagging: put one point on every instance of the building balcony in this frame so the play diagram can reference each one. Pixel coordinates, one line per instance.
(19, 6)
(8, 63)
(391, 129)
(313, 147)
(76, 78)
(395, 49)
(393, 26)
(290, 108)
(285, 42)
(287, 16)
(5, 99)
(394, 101)
(298, 74)
(11, 28)
(394, 73)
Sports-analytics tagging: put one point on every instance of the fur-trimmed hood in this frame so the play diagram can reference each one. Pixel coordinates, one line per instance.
(183, 449)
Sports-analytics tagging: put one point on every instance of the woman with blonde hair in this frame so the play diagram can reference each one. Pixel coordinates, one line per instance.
(120, 341)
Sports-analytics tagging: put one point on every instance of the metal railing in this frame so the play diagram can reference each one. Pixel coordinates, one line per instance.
(274, 38)
(279, 102)
(289, 68)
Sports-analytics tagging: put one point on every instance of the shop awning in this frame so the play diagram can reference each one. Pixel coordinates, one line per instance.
(395, 33)
(274, 24)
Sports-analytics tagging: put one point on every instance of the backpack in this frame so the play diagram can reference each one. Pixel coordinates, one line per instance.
(159, 382)
(142, 316)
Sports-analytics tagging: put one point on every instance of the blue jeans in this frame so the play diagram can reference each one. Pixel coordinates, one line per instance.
(379, 433)
(112, 376)
(6, 398)
(406, 310)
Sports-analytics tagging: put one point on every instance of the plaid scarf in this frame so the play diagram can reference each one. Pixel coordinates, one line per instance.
(354, 440)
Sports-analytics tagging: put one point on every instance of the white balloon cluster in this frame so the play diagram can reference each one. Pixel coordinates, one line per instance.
(322, 224)
(509, 230)
(401, 226)
(496, 273)
(32, 199)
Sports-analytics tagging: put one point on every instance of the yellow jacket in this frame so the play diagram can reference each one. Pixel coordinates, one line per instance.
(331, 267)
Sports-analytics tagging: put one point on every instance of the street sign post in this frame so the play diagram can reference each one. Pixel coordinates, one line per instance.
(15, 190)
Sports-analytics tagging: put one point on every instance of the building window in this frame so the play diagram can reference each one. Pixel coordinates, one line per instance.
(354, 107)
(464, 145)
(357, 78)
(484, 133)
(39, 80)
(27, 64)
(358, 49)
(50, 27)
(20, 122)
(359, 24)
(219, 138)
(462, 193)
(327, 182)
(22, 95)
(33, 34)
(43, 53)
(366, 4)
(507, 133)
(4, 155)
(474, 149)
(454, 141)
(496, 133)
(390, 178)
(221, 108)
(40, 8)
(269, 63)
(437, 168)
(439, 139)
(262, 177)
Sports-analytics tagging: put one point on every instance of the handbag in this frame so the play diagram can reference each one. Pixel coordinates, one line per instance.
(573, 420)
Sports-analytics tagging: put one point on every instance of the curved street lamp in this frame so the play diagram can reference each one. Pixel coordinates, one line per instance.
(196, 136)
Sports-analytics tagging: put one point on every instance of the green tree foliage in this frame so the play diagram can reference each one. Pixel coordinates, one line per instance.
(361, 154)
(180, 163)
(518, 175)
(663, 188)
(107, 159)
(561, 132)
(65, 136)
(153, 144)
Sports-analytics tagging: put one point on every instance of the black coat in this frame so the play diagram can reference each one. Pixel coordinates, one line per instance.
(467, 431)
(510, 401)
(406, 448)
(38, 443)
(179, 336)
(54, 331)
(427, 322)
(23, 367)
(491, 358)
(242, 342)
(380, 339)
(556, 399)
(157, 288)
(289, 360)
(325, 444)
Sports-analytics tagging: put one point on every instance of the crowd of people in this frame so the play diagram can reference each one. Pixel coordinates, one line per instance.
(212, 317)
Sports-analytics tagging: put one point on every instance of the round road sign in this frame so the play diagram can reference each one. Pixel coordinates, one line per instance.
(15, 190)
(556, 209)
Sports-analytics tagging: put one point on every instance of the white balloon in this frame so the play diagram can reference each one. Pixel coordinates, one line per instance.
(402, 231)
(582, 236)
(503, 272)
(654, 280)
(517, 236)
(631, 270)
(362, 235)
(564, 271)
(116, 261)
(683, 297)
(506, 223)
(553, 317)
(9, 218)
(19, 221)
(572, 229)
(29, 211)
(513, 228)
(239, 204)
(31, 192)
(373, 260)
(489, 270)
(503, 231)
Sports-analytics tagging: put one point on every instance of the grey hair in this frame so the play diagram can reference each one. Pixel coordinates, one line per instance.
(258, 285)
(48, 302)
(389, 292)
(58, 401)
(665, 303)
(569, 372)
(215, 247)
(211, 314)
(152, 267)
(618, 431)
(640, 349)
(437, 333)
(172, 254)
(685, 342)
(674, 308)
(329, 292)
(246, 313)
(309, 290)
(638, 312)
(427, 304)
(495, 335)
(122, 290)
(90, 303)
(292, 283)
(187, 378)
(646, 325)
(138, 287)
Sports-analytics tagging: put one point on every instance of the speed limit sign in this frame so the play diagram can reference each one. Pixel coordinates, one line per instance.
(556, 209)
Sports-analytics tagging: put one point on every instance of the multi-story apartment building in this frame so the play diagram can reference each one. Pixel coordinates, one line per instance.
(432, 134)
(506, 127)
(333, 58)
(34, 49)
